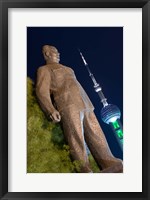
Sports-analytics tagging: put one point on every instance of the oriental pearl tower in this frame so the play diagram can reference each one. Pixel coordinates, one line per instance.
(110, 114)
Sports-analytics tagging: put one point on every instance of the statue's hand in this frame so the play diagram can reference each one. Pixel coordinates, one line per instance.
(55, 116)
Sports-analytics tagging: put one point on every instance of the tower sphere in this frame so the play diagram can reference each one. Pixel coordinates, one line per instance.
(110, 113)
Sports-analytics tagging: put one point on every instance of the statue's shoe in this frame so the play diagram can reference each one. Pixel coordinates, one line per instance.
(116, 168)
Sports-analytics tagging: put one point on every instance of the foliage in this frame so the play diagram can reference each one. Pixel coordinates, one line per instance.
(47, 151)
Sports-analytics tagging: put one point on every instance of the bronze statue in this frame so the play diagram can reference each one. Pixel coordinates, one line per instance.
(74, 109)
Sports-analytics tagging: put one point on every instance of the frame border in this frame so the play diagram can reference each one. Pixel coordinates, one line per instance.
(4, 6)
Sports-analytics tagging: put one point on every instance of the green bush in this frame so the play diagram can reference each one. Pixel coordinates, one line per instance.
(47, 151)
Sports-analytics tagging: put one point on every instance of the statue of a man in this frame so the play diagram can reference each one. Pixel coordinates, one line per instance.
(74, 109)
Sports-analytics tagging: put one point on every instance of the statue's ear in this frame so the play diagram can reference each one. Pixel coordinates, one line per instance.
(47, 53)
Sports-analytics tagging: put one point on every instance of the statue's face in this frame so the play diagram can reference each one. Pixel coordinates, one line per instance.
(51, 53)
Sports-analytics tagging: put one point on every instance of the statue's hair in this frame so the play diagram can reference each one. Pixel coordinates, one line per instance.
(49, 47)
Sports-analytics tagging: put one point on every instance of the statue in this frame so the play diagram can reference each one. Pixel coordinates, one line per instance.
(72, 107)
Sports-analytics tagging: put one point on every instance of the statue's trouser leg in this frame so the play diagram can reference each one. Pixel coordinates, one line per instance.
(98, 145)
(73, 131)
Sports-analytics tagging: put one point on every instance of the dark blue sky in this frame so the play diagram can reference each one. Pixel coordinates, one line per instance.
(102, 48)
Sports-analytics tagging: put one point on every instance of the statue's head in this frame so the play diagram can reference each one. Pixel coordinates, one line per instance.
(50, 53)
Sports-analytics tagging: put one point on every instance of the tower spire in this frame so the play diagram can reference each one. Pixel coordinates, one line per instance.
(97, 87)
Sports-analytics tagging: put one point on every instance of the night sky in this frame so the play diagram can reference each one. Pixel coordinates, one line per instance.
(102, 48)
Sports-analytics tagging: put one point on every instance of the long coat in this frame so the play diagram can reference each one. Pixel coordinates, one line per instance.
(58, 82)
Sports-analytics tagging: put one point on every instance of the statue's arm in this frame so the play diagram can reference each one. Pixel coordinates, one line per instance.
(43, 91)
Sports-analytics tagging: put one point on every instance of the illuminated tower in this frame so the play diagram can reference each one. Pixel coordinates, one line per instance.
(110, 113)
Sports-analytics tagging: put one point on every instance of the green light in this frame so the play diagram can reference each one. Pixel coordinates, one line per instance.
(119, 133)
(115, 125)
